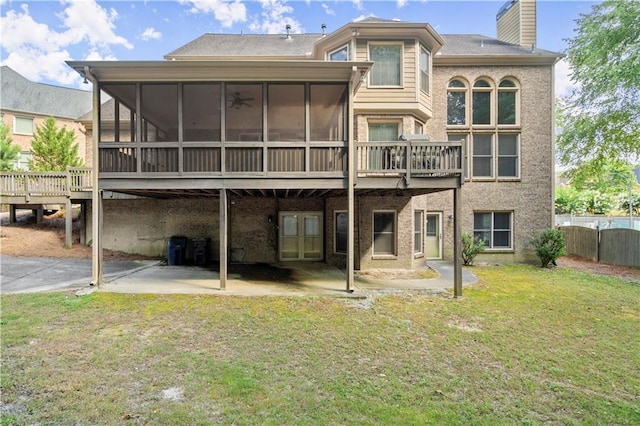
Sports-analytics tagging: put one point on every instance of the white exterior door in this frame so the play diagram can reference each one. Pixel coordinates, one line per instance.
(433, 241)
(300, 236)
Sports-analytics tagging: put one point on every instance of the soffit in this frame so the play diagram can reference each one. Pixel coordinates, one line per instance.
(238, 70)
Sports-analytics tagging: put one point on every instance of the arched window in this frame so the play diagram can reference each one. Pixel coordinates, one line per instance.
(507, 102)
(482, 107)
(457, 103)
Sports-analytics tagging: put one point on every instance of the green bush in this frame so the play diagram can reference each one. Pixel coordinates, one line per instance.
(470, 248)
(549, 245)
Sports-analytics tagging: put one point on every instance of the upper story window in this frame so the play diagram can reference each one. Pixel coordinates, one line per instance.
(482, 90)
(340, 54)
(387, 65)
(457, 103)
(23, 125)
(425, 57)
(507, 102)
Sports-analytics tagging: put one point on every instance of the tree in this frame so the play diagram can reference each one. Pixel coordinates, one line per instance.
(8, 152)
(602, 175)
(601, 118)
(53, 149)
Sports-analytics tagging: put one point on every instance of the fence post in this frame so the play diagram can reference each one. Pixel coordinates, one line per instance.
(598, 245)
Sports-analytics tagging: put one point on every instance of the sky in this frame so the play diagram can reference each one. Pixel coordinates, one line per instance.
(37, 37)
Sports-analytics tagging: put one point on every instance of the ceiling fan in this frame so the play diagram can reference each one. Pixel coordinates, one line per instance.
(238, 101)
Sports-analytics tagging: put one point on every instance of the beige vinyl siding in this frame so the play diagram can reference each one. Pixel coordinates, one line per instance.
(518, 24)
(509, 25)
(528, 22)
(406, 93)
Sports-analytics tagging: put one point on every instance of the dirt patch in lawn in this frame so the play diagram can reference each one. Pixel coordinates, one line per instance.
(625, 272)
(26, 238)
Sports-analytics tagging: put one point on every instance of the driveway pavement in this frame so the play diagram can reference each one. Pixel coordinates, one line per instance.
(37, 274)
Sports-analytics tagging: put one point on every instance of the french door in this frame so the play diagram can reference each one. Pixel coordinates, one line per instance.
(300, 236)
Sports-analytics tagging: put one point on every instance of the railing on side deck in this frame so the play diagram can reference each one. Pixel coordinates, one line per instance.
(413, 158)
(45, 184)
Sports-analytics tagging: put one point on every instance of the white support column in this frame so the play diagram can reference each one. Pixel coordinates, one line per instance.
(223, 239)
(351, 165)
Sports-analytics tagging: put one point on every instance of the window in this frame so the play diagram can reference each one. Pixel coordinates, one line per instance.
(482, 155)
(424, 69)
(418, 127)
(494, 228)
(341, 54)
(457, 103)
(23, 125)
(418, 220)
(387, 64)
(507, 102)
(384, 233)
(341, 231)
(482, 102)
(508, 155)
(383, 132)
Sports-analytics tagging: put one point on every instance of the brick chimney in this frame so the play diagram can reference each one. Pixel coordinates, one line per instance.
(516, 22)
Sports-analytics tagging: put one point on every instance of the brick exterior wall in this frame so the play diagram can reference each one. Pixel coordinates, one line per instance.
(531, 197)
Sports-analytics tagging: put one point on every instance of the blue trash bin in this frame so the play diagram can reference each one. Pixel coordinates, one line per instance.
(177, 250)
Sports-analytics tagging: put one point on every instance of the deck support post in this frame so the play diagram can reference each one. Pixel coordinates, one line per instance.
(457, 243)
(223, 239)
(351, 165)
(96, 193)
(68, 224)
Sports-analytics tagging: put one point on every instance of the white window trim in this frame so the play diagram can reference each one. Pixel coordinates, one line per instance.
(390, 121)
(395, 234)
(465, 90)
(15, 127)
(386, 43)
(511, 231)
(472, 156)
(328, 55)
(515, 90)
(518, 156)
(493, 108)
(422, 48)
(422, 233)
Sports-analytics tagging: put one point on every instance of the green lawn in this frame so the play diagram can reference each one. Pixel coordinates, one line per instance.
(526, 345)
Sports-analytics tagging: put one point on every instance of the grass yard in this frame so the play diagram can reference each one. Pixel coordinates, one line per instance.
(525, 346)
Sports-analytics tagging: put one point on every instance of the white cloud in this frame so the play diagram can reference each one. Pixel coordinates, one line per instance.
(225, 11)
(150, 34)
(272, 19)
(328, 9)
(563, 83)
(401, 3)
(358, 4)
(39, 52)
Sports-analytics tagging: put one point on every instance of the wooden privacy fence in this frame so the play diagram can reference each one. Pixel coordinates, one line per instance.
(614, 246)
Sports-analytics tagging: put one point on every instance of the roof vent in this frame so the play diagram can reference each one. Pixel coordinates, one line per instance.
(324, 29)
(288, 27)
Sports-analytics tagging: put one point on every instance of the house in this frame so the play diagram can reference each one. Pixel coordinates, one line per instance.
(25, 105)
(373, 146)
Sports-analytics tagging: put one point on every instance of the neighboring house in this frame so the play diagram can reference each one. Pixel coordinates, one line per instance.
(24, 105)
(373, 146)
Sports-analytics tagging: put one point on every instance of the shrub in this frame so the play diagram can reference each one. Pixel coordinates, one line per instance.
(470, 248)
(549, 245)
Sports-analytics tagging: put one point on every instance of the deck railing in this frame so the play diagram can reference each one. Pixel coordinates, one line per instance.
(416, 158)
(45, 184)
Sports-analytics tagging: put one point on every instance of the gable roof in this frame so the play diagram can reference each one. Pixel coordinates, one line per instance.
(209, 46)
(22, 95)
